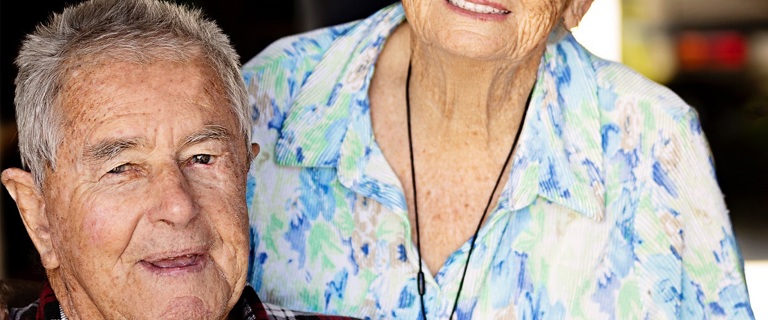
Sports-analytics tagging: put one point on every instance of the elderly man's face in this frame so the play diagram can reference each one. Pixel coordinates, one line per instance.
(146, 205)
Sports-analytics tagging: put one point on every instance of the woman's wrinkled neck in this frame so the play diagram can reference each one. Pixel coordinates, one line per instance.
(467, 91)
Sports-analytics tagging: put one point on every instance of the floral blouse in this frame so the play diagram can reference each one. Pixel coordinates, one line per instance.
(612, 209)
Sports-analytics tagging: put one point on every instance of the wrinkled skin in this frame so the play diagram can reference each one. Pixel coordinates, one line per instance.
(510, 37)
(144, 216)
(471, 75)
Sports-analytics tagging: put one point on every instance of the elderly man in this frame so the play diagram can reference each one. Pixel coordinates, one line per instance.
(135, 126)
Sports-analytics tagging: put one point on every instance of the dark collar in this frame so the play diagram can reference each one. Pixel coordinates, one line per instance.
(249, 306)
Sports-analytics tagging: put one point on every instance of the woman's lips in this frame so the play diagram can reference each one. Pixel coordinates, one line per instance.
(477, 7)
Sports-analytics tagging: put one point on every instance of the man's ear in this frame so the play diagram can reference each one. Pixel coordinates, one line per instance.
(575, 11)
(255, 148)
(21, 186)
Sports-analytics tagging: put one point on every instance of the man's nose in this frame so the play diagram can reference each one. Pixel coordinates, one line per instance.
(175, 203)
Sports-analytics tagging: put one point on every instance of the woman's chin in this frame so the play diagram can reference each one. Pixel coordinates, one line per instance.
(471, 45)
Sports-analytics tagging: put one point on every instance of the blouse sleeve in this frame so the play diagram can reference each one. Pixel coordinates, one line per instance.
(713, 284)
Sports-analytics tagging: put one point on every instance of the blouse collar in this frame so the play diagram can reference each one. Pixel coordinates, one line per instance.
(560, 153)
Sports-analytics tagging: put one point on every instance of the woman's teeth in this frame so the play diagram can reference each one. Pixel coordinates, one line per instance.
(474, 7)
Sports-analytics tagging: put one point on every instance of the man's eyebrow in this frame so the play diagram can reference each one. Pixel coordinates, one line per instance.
(209, 132)
(109, 149)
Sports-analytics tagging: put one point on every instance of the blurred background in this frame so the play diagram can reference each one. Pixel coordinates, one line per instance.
(713, 53)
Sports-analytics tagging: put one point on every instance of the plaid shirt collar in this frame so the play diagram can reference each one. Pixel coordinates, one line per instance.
(249, 307)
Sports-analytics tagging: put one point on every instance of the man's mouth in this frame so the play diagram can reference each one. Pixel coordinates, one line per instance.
(176, 262)
(477, 8)
(172, 264)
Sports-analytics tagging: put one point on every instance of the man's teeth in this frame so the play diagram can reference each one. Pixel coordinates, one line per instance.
(176, 262)
(474, 7)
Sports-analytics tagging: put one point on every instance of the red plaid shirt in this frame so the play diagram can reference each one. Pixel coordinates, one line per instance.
(249, 307)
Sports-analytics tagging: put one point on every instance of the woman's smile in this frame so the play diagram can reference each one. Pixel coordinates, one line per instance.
(484, 11)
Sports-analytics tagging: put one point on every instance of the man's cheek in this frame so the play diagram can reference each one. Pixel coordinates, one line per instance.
(96, 230)
(105, 227)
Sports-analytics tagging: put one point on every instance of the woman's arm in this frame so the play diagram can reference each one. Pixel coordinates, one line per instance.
(713, 283)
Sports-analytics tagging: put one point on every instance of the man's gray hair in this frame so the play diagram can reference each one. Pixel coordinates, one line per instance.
(140, 31)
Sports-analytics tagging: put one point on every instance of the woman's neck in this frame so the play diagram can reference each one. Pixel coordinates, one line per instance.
(456, 95)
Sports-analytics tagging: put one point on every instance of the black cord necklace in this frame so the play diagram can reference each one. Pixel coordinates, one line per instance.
(420, 276)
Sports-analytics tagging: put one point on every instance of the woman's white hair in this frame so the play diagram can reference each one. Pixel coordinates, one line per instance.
(140, 31)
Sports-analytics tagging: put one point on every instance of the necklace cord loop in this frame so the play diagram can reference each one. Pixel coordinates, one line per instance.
(420, 275)
(421, 282)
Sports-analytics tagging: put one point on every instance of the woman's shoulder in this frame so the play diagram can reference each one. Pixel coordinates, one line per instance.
(623, 84)
(616, 84)
(274, 76)
(314, 44)
(298, 47)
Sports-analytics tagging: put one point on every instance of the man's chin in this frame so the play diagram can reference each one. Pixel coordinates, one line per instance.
(193, 292)
(187, 308)
(182, 306)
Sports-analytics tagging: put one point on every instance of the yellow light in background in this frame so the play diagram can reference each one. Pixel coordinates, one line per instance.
(600, 30)
(646, 45)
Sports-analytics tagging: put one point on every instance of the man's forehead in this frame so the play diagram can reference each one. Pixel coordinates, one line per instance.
(99, 84)
(107, 95)
(107, 71)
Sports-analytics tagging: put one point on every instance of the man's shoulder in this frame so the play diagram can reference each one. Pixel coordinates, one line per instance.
(45, 307)
(26, 313)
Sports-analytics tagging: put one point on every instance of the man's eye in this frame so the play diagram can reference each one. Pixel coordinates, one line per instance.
(202, 159)
(120, 169)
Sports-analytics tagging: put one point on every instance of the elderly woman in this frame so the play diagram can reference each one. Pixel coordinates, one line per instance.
(134, 122)
(469, 159)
